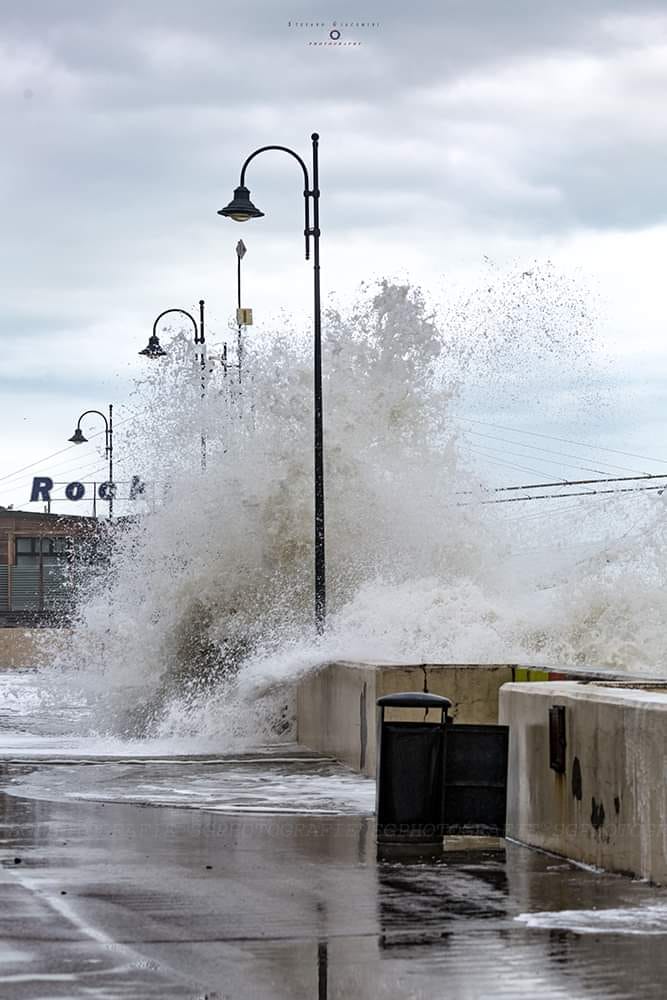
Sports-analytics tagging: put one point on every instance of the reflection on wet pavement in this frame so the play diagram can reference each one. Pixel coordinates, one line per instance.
(107, 899)
(264, 884)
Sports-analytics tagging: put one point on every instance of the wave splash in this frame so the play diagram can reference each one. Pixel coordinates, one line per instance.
(205, 609)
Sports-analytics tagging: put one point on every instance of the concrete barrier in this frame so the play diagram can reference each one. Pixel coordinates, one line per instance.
(336, 705)
(609, 806)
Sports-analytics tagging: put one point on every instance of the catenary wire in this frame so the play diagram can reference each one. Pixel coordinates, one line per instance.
(551, 437)
(118, 422)
(550, 451)
(558, 496)
(481, 449)
(521, 468)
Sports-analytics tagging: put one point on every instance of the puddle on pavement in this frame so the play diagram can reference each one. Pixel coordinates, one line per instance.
(275, 783)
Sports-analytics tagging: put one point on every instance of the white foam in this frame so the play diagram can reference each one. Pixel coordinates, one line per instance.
(221, 571)
(269, 785)
(647, 919)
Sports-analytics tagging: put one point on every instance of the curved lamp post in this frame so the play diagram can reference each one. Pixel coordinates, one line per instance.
(78, 438)
(155, 350)
(240, 209)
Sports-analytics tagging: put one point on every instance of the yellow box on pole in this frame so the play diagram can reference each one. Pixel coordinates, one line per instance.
(244, 317)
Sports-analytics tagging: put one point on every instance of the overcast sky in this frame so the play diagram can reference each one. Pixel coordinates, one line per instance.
(455, 132)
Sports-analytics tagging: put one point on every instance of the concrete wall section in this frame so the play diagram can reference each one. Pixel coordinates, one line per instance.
(336, 710)
(24, 647)
(609, 807)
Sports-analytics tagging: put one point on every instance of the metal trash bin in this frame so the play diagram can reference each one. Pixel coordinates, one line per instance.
(410, 772)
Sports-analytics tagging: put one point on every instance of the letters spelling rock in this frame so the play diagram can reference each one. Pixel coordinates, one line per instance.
(42, 486)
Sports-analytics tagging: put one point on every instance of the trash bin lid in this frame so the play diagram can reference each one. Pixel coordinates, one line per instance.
(414, 699)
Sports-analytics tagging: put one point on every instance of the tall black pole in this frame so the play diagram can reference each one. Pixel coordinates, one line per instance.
(110, 455)
(320, 560)
(202, 341)
(240, 250)
(238, 281)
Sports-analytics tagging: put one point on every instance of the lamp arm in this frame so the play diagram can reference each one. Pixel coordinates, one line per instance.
(284, 149)
(183, 312)
(306, 180)
(99, 414)
(107, 427)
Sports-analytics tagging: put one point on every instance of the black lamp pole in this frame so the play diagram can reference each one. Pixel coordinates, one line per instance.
(241, 250)
(155, 350)
(78, 438)
(241, 209)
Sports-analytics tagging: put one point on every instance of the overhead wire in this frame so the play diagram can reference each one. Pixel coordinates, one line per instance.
(90, 471)
(520, 468)
(550, 451)
(11, 475)
(536, 515)
(571, 482)
(67, 472)
(69, 468)
(482, 449)
(558, 496)
(31, 465)
(552, 437)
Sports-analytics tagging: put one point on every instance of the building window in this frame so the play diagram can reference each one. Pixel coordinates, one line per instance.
(53, 550)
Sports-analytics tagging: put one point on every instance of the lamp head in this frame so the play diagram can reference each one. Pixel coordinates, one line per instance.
(240, 208)
(153, 350)
(77, 437)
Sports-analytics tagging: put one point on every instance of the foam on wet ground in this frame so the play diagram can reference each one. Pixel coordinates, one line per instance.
(647, 919)
(296, 784)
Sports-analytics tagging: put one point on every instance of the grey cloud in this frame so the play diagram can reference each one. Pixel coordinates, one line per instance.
(28, 383)
(172, 53)
(142, 113)
(607, 185)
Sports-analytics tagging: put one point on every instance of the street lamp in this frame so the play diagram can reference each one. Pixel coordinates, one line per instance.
(78, 438)
(155, 350)
(240, 209)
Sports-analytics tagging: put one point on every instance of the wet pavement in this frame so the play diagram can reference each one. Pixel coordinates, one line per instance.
(122, 899)
(284, 778)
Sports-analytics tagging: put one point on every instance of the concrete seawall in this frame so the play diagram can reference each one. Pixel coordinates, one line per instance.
(336, 705)
(609, 805)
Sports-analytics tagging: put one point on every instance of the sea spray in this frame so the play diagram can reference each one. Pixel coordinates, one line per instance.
(205, 608)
